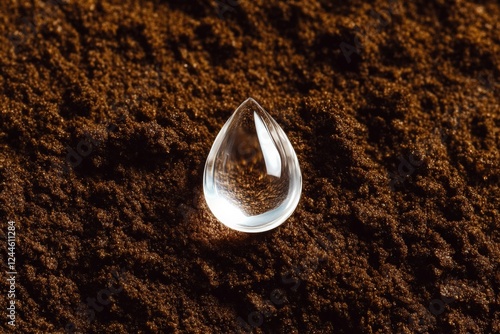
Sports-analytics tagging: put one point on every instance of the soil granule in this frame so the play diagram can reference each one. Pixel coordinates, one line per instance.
(108, 110)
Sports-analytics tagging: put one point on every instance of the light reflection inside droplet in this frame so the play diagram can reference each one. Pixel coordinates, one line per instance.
(271, 156)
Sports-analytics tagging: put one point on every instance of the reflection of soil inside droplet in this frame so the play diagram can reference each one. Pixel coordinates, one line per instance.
(246, 151)
(245, 178)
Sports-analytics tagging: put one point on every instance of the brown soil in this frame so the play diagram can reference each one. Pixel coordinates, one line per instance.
(108, 110)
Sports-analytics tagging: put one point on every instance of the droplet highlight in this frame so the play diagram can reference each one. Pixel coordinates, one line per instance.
(252, 180)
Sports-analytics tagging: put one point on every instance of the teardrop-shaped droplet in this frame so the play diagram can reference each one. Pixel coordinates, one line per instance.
(252, 180)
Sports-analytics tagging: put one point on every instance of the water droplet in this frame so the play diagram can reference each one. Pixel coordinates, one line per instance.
(252, 180)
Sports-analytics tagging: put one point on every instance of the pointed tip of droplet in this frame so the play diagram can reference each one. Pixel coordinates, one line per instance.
(250, 101)
(251, 104)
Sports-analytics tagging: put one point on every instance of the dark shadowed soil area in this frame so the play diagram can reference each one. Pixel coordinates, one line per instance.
(108, 110)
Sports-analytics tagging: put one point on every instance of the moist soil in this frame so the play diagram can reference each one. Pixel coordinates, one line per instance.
(108, 110)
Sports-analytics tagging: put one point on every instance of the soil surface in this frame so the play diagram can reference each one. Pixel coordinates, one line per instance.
(108, 110)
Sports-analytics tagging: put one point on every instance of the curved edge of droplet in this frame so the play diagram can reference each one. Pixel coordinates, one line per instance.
(209, 187)
(232, 218)
(282, 213)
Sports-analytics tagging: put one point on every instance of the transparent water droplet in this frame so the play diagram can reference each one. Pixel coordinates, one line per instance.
(252, 180)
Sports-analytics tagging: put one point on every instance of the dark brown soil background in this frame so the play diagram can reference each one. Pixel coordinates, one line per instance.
(392, 108)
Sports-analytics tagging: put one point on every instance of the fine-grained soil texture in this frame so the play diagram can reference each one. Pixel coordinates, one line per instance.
(108, 110)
